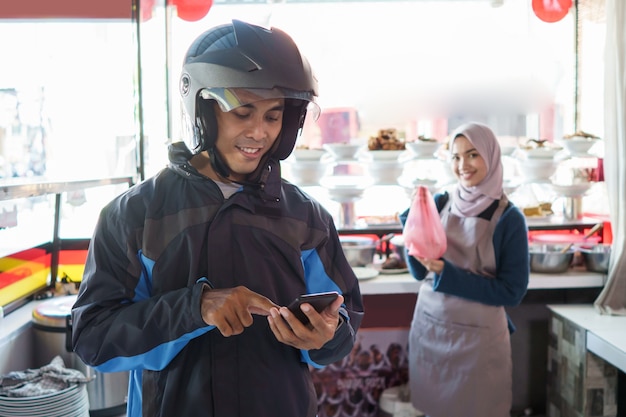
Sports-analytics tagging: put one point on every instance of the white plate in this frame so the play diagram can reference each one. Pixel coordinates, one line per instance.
(394, 271)
(363, 273)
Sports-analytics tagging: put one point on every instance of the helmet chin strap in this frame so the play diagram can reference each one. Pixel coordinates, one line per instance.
(222, 169)
(218, 164)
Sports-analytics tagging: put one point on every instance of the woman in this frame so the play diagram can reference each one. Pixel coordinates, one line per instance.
(459, 347)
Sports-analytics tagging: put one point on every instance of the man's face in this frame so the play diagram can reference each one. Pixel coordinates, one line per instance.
(247, 133)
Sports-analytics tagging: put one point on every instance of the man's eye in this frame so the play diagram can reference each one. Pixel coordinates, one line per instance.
(274, 117)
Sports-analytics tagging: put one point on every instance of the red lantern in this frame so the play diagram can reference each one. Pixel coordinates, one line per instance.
(192, 10)
(551, 10)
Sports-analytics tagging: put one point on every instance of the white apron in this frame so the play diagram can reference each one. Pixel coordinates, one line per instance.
(459, 350)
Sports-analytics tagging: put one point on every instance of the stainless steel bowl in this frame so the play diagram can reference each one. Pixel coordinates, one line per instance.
(549, 259)
(597, 258)
(397, 246)
(359, 250)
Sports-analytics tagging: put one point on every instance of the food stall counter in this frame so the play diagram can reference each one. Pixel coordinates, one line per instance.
(401, 283)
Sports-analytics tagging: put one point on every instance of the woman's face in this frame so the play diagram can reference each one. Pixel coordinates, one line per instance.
(246, 133)
(467, 164)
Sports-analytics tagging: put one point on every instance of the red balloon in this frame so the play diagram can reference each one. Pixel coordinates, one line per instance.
(551, 10)
(192, 10)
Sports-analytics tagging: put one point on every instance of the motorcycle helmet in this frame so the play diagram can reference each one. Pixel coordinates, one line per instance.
(236, 56)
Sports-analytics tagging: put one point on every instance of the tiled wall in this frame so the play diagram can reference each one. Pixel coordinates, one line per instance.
(580, 384)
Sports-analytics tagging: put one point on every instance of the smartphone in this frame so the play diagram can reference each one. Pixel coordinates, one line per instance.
(319, 301)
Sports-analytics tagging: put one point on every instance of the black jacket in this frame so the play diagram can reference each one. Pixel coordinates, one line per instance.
(154, 248)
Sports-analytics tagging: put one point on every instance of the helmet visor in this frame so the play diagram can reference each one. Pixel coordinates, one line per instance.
(231, 98)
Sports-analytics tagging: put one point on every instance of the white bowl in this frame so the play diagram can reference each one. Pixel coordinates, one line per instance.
(537, 169)
(343, 151)
(544, 152)
(305, 173)
(410, 184)
(578, 145)
(508, 150)
(380, 155)
(384, 172)
(423, 148)
(346, 188)
(573, 190)
(308, 154)
(509, 186)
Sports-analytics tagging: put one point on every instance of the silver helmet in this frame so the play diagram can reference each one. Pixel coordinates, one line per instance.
(239, 55)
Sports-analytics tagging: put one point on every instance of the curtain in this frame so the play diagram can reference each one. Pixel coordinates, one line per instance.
(612, 299)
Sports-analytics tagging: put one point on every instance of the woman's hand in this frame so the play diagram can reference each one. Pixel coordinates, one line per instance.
(431, 265)
(321, 328)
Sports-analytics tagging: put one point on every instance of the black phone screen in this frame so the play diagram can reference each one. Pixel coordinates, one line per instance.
(319, 301)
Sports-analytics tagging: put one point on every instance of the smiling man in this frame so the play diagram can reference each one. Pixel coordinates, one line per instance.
(189, 272)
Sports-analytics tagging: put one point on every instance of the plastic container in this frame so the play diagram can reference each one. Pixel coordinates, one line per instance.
(394, 402)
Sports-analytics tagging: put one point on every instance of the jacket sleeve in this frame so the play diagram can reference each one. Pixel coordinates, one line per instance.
(510, 242)
(117, 324)
(340, 278)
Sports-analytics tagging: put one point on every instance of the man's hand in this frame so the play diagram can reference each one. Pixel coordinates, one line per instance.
(289, 330)
(231, 309)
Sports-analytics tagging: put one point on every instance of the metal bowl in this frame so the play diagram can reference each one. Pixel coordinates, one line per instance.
(398, 247)
(359, 250)
(549, 259)
(597, 258)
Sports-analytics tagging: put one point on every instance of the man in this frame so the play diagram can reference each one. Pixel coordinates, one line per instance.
(188, 272)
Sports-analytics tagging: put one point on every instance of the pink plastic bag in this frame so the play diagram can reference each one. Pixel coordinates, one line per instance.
(423, 233)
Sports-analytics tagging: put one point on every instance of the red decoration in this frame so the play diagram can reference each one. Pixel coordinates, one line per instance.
(551, 10)
(192, 10)
(145, 9)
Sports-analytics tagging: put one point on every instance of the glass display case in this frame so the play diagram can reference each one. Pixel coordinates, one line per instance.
(45, 228)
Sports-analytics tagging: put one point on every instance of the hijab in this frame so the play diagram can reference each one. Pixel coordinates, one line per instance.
(471, 201)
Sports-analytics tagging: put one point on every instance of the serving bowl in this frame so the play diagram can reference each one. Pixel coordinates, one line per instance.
(597, 257)
(359, 250)
(383, 155)
(410, 184)
(309, 172)
(423, 148)
(578, 145)
(301, 154)
(384, 172)
(537, 170)
(343, 150)
(550, 259)
(542, 152)
(346, 188)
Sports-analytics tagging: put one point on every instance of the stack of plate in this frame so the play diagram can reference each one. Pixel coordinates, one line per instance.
(70, 402)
